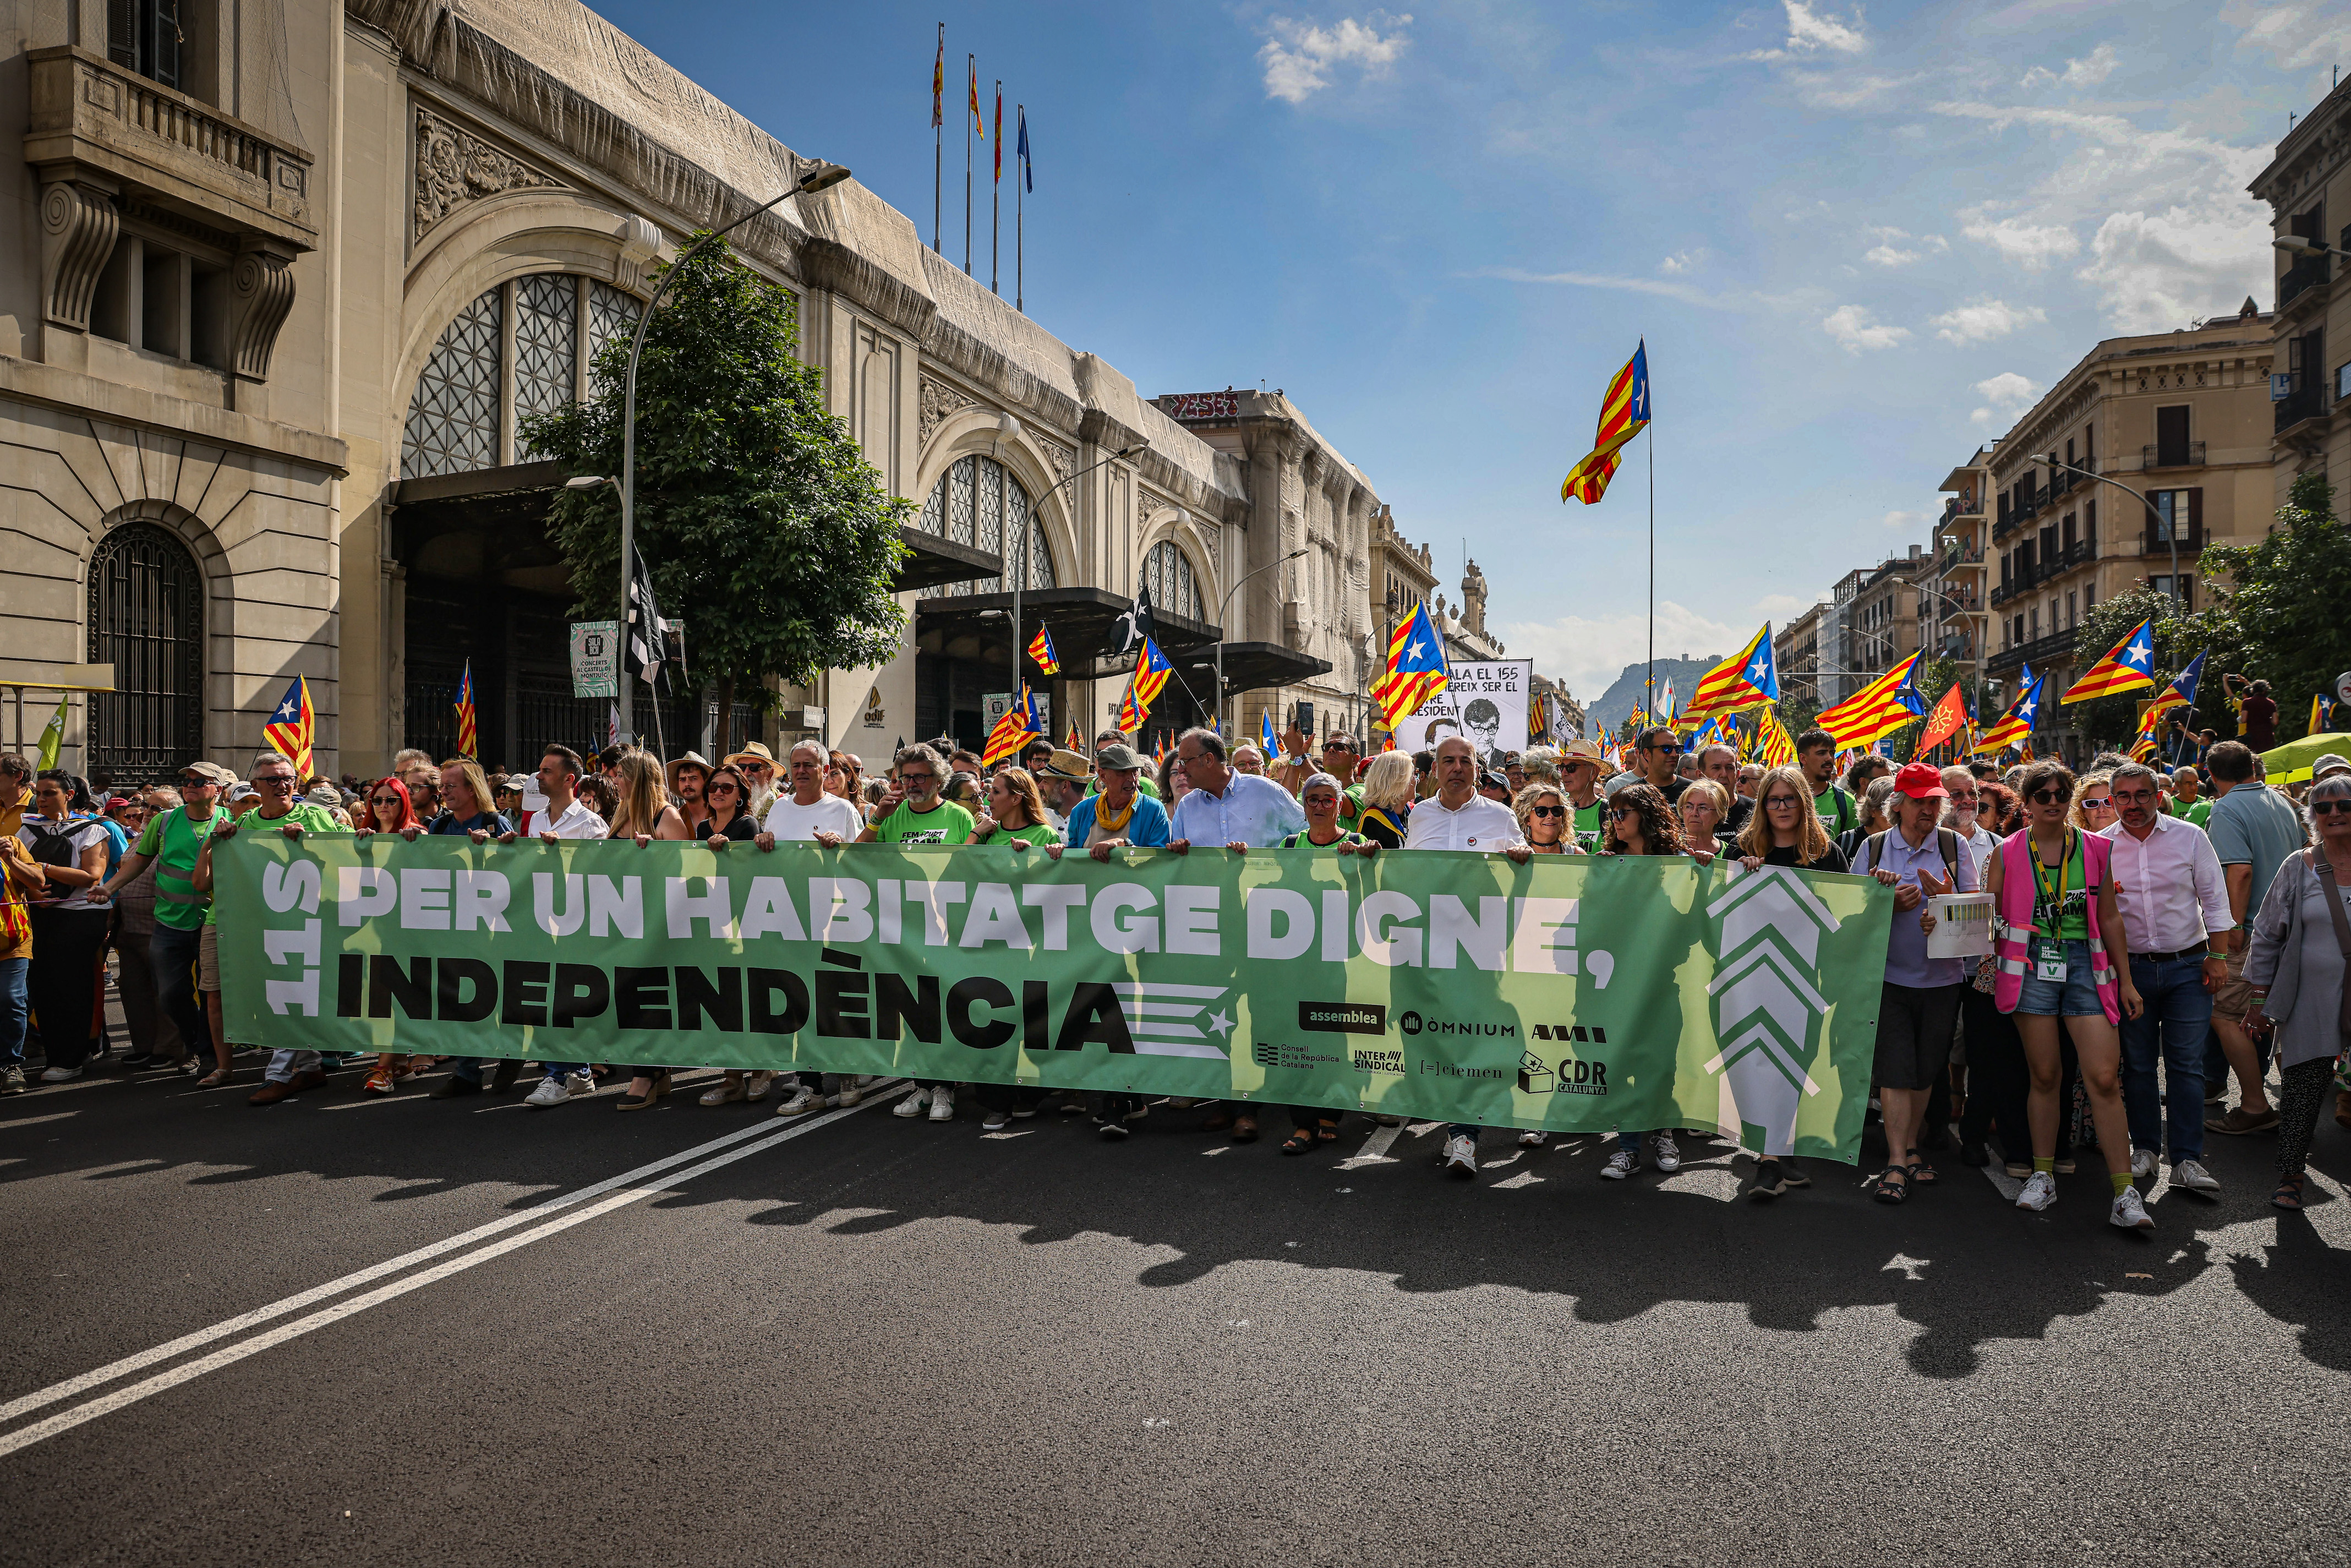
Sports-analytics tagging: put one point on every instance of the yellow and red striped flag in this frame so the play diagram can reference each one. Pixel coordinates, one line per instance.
(292, 726)
(1876, 709)
(1417, 669)
(469, 741)
(1748, 679)
(1151, 672)
(1624, 414)
(2129, 666)
(1779, 748)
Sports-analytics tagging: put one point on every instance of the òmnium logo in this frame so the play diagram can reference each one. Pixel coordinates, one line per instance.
(1408, 1023)
(1411, 1022)
(1342, 1018)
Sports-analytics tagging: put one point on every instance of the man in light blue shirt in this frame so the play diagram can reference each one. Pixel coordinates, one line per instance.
(1239, 810)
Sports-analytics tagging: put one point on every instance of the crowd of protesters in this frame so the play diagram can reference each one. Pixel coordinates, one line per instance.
(2157, 935)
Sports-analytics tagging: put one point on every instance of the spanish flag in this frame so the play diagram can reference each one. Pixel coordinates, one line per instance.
(1624, 412)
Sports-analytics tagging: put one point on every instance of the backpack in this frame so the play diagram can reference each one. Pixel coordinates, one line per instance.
(1847, 815)
(52, 842)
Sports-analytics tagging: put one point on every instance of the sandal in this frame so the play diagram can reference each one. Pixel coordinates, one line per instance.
(1886, 1189)
(1922, 1173)
(1299, 1142)
(1216, 1120)
(1327, 1132)
(2288, 1194)
(217, 1076)
(1245, 1129)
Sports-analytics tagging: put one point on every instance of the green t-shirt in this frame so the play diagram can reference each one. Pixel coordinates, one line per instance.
(1142, 781)
(944, 823)
(2073, 909)
(313, 820)
(2198, 812)
(1301, 841)
(1035, 833)
(1588, 820)
(1836, 810)
(172, 841)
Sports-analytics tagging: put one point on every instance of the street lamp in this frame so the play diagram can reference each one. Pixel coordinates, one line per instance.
(1222, 610)
(2171, 528)
(815, 174)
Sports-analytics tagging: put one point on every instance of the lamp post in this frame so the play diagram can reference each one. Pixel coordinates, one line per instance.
(2172, 529)
(815, 174)
(1222, 612)
(1006, 424)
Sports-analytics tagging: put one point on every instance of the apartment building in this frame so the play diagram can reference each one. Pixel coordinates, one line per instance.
(1954, 610)
(1881, 621)
(1796, 652)
(2162, 445)
(2308, 188)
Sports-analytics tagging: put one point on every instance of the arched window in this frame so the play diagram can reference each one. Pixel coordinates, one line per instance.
(1168, 572)
(147, 620)
(979, 502)
(472, 392)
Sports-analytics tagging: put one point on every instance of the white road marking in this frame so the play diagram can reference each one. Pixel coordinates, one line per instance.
(222, 1330)
(1524, 1178)
(1375, 1151)
(11, 1125)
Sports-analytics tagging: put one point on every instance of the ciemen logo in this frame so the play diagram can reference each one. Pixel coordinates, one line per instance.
(1342, 1018)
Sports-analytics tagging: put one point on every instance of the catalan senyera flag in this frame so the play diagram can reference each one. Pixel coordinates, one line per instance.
(939, 80)
(1077, 741)
(1416, 668)
(2143, 744)
(1876, 709)
(1950, 717)
(1624, 412)
(2015, 726)
(1014, 730)
(1748, 679)
(1779, 748)
(1151, 672)
(468, 739)
(999, 176)
(1040, 648)
(979, 121)
(1538, 720)
(2129, 666)
(292, 726)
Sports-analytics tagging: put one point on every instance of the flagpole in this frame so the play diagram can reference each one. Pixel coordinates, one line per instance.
(971, 93)
(996, 193)
(938, 133)
(1652, 558)
(1019, 229)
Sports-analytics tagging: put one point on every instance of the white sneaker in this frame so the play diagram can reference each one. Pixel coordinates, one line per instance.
(910, 1107)
(61, 1076)
(580, 1085)
(1622, 1163)
(850, 1094)
(551, 1090)
(995, 1121)
(1664, 1153)
(1461, 1155)
(2145, 1162)
(943, 1103)
(1534, 1140)
(2040, 1192)
(2191, 1174)
(2130, 1211)
(800, 1102)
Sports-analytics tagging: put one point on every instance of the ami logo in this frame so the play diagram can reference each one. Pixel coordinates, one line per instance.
(1593, 1036)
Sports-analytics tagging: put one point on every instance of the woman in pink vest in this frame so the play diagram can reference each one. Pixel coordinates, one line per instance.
(2059, 949)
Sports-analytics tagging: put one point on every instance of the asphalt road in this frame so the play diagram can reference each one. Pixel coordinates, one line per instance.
(877, 1341)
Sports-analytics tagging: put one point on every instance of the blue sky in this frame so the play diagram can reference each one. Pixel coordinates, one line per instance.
(1857, 239)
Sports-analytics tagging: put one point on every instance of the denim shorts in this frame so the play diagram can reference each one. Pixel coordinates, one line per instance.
(2075, 997)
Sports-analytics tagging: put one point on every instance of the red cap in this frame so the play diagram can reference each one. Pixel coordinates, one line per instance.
(1920, 781)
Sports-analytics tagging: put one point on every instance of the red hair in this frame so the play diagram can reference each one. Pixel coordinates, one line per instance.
(408, 818)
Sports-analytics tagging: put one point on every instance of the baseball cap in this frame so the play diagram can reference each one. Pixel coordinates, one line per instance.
(240, 792)
(1117, 758)
(2331, 762)
(1920, 781)
(210, 772)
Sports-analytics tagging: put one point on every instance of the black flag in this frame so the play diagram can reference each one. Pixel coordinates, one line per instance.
(1127, 632)
(643, 646)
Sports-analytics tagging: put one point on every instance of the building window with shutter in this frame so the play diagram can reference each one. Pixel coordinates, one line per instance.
(146, 36)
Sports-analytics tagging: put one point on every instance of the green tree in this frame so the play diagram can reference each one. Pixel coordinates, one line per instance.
(2280, 605)
(757, 514)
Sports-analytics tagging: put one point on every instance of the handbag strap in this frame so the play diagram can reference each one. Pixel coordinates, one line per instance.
(2325, 871)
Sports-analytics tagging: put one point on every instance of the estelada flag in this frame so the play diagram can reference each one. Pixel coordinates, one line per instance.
(2318, 707)
(1874, 710)
(1944, 722)
(468, 742)
(2015, 726)
(1151, 672)
(292, 726)
(1623, 412)
(1416, 668)
(1748, 679)
(2129, 666)
(1013, 731)
(1040, 648)
(2181, 692)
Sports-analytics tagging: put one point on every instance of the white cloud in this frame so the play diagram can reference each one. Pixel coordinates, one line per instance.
(2299, 36)
(2087, 72)
(1898, 520)
(1981, 320)
(2007, 396)
(1299, 57)
(2030, 246)
(1687, 293)
(1589, 653)
(1851, 326)
(1886, 256)
(1816, 32)
(1681, 261)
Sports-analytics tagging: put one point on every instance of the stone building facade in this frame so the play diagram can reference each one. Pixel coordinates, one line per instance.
(286, 289)
(2308, 187)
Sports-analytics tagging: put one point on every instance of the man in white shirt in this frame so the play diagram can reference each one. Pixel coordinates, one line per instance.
(559, 770)
(1457, 817)
(808, 814)
(1238, 810)
(2173, 897)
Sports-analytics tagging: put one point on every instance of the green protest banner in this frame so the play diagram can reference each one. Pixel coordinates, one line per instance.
(1570, 993)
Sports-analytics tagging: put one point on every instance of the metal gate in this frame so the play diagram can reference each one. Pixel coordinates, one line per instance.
(146, 618)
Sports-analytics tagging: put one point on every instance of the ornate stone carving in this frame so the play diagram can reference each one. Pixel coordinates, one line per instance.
(78, 228)
(455, 166)
(261, 292)
(939, 402)
(1062, 459)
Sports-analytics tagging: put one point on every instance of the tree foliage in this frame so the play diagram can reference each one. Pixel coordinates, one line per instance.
(2281, 611)
(2111, 721)
(757, 514)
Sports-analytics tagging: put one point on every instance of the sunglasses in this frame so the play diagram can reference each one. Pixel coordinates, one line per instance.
(2049, 797)
(280, 781)
(1619, 813)
(2102, 803)
(384, 800)
(1546, 811)
(723, 789)
(2328, 808)
(1670, 748)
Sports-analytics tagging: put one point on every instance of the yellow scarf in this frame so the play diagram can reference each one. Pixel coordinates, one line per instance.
(1110, 823)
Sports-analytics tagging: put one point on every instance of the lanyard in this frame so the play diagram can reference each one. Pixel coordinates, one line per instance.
(2051, 901)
